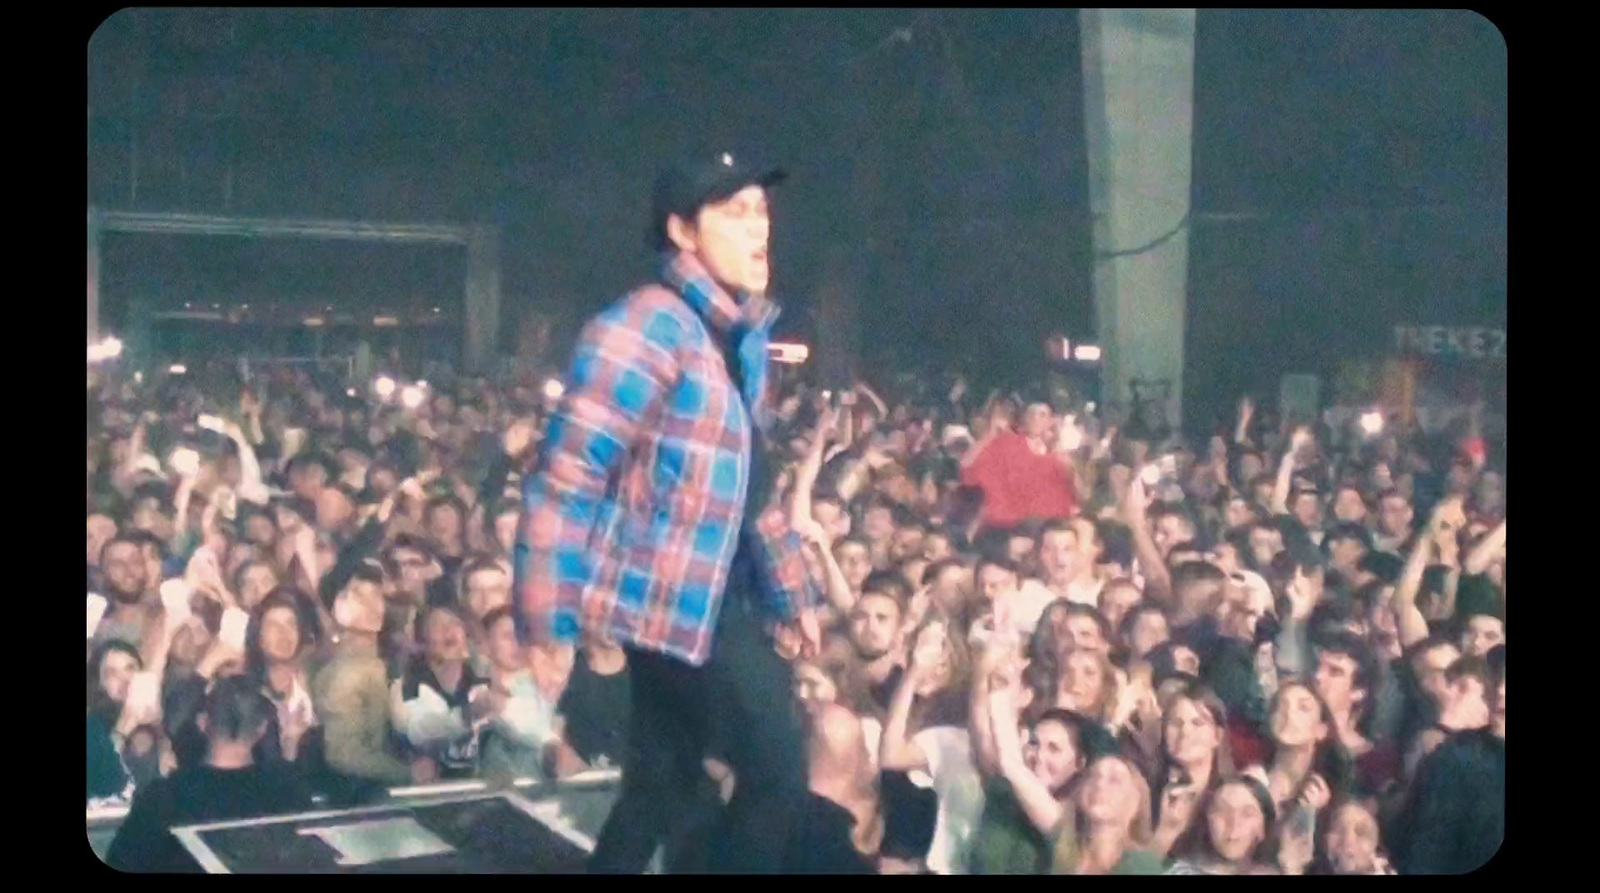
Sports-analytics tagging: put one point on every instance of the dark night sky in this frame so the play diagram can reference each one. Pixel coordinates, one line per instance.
(954, 162)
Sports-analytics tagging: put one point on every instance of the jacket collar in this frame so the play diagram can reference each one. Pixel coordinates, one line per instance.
(728, 315)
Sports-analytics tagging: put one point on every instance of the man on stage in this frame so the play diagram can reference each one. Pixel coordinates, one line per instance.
(643, 519)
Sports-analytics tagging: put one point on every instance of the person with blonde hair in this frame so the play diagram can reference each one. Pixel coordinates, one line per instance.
(1105, 829)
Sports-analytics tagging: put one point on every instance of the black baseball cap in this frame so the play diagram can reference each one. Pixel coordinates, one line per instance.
(686, 186)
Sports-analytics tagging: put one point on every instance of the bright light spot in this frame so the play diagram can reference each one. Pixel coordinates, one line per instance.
(1089, 407)
(383, 387)
(422, 384)
(177, 369)
(412, 396)
(350, 392)
(727, 160)
(1372, 422)
(789, 354)
(554, 389)
(107, 349)
(138, 378)
(1087, 353)
(1151, 475)
(314, 321)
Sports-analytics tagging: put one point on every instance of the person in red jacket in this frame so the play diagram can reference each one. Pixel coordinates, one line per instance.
(1026, 475)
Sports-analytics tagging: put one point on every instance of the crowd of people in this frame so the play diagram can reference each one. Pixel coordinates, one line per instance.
(1054, 642)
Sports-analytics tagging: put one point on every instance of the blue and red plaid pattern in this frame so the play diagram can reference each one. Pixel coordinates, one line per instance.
(631, 516)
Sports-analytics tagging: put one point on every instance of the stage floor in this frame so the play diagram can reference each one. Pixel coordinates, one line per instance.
(450, 829)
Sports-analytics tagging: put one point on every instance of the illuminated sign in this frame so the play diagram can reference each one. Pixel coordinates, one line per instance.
(1475, 343)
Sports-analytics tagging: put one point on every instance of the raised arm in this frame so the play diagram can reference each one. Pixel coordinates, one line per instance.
(1158, 580)
(1041, 807)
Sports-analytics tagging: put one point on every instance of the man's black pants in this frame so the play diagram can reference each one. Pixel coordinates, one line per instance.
(742, 702)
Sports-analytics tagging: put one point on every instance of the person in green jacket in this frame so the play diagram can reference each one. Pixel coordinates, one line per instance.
(351, 692)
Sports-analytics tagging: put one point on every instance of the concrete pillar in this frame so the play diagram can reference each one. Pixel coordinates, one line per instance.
(1138, 67)
(482, 323)
(94, 279)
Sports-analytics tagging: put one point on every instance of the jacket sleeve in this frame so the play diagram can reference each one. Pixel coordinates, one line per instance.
(791, 587)
(624, 364)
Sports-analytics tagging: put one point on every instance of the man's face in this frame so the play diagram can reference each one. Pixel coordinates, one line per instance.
(832, 517)
(878, 524)
(1265, 544)
(125, 572)
(1346, 555)
(259, 529)
(1171, 530)
(445, 638)
(936, 547)
(1198, 599)
(856, 563)
(1336, 681)
(1308, 510)
(487, 589)
(907, 543)
(1482, 634)
(1058, 552)
(413, 571)
(1349, 508)
(1238, 513)
(1036, 421)
(875, 626)
(444, 524)
(730, 239)
(951, 587)
(995, 581)
(1249, 466)
(1431, 666)
(1394, 517)
(1466, 705)
(1262, 493)
(308, 481)
(147, 516)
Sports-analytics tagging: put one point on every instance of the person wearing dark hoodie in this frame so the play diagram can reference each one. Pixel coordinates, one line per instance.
(230, 785)
(1457, 815)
